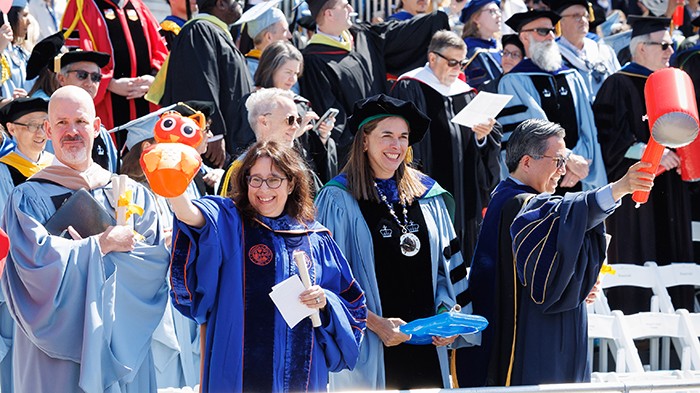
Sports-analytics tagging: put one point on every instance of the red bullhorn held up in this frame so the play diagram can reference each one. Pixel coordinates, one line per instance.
(672, 114)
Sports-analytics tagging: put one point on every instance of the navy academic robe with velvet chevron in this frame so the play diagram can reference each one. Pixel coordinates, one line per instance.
(559, 247)
(222, 274)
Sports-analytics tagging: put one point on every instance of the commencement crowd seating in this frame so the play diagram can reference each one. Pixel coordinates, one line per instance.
(669, 331)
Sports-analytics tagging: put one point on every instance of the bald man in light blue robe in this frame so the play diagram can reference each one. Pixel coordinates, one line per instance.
(85, 309)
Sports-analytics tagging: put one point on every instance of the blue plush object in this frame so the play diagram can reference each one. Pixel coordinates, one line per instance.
(443, 325)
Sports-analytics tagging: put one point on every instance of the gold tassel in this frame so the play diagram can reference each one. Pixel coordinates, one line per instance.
(6, 73)
(591, 15)
(57, 63)
(557, 29)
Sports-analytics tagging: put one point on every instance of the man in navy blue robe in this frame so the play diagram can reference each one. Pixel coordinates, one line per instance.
(537, 318)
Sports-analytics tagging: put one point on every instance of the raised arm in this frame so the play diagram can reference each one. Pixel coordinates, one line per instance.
(186, 211)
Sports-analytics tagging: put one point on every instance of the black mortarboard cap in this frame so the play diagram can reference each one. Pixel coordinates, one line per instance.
(695, 22)
(308, 22)
(647, 24)
(512, 39)
(315, 7)
(381, 104)
(517, 21)
(75, 56)
(43, 53)
(189, 108)
(560, 5)
(19, 107)
(473, 6)
(599, 17)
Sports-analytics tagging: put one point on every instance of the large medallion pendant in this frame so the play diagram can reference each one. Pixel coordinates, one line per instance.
(410, 244)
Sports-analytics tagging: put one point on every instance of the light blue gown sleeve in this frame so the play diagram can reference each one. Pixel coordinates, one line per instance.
(74, 304)
(339, 212)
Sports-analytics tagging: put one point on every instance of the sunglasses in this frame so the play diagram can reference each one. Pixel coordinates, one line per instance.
(559, 160)
(542, 31)
(453, 63)
(663, 45)
(291, 119)
(82, 75)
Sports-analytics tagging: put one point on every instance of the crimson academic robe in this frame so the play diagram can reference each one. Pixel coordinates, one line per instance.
(337, 78)
(130, 35)
(659, 230)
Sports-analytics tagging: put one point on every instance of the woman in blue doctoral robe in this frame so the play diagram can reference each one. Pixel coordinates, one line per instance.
(227, 254)
(482, 25)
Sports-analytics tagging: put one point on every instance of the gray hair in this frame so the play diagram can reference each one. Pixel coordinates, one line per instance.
(444, 39)
(530, 138)
(635, 41)
(264, 101)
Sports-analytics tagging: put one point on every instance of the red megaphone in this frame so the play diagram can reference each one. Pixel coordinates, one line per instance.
(673, 117)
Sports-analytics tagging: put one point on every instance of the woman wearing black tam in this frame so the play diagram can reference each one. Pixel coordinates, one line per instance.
(393, 224)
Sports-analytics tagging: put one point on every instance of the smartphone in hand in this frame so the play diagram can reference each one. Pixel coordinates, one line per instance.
(330, 115)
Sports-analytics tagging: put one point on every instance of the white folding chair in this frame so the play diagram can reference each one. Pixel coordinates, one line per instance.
(647, 325)
(608, 329)
(673, 275)
(691, 321)
(631, 276)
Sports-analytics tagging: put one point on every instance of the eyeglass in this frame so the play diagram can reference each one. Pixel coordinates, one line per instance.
(33, 127)
(96, 77)
(289, 119)
(493, 11)
(453, 63)
(663, 45)
(560, 161)
(543, 31)
(513, 55)
(273, 183)
(585, 15)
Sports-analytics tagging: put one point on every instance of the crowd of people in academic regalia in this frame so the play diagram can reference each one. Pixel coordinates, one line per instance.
(328, 149)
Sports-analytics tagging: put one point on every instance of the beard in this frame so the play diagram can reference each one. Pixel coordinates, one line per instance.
(73, 155)
(546, 55)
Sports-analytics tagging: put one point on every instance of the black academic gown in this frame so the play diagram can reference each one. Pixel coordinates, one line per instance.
(450, 155)
(687, 58)
(206, 65)
(322, 158)
(659, 230)
(336, 78)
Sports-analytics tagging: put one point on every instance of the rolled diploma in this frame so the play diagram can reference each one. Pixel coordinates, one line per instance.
(306, 280)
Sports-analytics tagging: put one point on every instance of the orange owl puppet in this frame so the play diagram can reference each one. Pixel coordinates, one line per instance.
(172, 163)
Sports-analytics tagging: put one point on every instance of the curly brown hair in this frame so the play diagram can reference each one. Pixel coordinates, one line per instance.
(300, 204)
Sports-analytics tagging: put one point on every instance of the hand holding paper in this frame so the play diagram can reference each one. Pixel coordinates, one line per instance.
(285, 295)
(482, 109)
